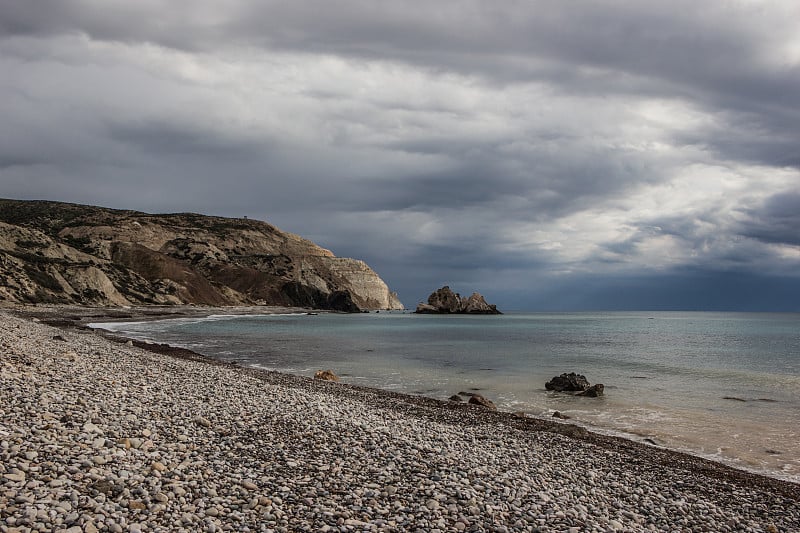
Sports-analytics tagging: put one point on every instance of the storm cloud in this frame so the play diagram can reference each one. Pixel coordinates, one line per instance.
(549, 154)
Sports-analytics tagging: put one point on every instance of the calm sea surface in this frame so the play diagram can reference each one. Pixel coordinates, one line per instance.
(720, 385)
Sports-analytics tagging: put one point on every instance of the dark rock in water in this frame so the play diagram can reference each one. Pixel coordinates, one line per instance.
(445, 301)
(477, 399)
(467, 394)
(557, 414)
(650, 441)
(734, 398)
(477, 305)
(571, 382)
(456, 398)
(326, 375)
(592, 392)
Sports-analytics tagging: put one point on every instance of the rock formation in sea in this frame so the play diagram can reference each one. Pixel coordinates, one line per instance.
(53, 252)
(576, 384)
(445, 301)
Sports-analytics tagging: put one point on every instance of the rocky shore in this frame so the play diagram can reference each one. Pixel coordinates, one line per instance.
(98, 435)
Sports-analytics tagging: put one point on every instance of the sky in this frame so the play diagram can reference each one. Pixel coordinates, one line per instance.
(551, 155)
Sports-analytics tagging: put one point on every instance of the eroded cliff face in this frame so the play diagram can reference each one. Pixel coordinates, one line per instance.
(65, 253)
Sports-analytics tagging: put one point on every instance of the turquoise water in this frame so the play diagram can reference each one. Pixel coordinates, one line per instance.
(721, 385)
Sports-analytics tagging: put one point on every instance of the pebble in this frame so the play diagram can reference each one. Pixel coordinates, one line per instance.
(116, 444)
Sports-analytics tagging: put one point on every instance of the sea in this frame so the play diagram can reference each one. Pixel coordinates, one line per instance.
(724, 386)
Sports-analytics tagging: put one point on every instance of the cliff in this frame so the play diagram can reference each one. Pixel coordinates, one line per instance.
(53, 252)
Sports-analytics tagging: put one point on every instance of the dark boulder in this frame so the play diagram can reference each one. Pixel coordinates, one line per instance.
(326, 375)
(477, 399)
(592, 392)
(456, 398)
(571, 382)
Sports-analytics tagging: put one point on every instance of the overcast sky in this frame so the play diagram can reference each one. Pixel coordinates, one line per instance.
(549, 154)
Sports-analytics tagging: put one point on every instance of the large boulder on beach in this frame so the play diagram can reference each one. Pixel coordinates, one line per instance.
(477, 399)
(445, 301)
(326, 375)
(571, 382)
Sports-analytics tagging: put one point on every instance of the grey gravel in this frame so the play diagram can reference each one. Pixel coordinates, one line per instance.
(102, 436)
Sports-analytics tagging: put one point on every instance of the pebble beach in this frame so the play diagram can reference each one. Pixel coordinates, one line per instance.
(100, 434)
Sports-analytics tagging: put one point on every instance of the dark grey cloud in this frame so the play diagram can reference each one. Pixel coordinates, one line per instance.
(545, 150)
(777, 221)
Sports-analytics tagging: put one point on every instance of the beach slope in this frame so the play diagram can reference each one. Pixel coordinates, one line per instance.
(97, 435)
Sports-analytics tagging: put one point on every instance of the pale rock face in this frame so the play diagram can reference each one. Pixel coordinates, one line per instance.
(92, 278)
(65, 253)
(369, 290)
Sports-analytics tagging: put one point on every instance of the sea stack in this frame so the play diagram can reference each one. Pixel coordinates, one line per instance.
(445, 301)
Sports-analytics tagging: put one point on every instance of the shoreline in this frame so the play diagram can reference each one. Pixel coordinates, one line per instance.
(683, 476)
(75, 315)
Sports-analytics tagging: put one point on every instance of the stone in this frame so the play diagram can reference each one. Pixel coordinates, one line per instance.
(249, 485)
(570, 430)
(592, 392)
(89, 427)
(200, 421)
(571, 382)
(456, 398)
(477, 399)
(559, 415)
(326, 375)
